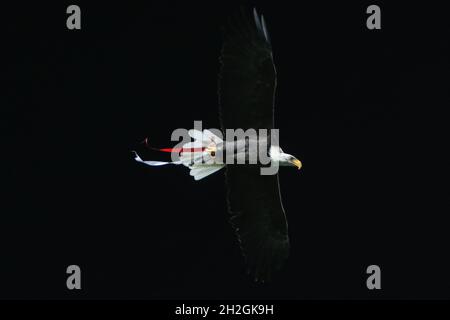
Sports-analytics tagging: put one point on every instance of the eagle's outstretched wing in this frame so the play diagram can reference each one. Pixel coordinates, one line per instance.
(247, 78)
(247, 84)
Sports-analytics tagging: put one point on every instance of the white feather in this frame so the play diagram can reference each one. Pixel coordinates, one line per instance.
(204, 138)
(209, 136)
(189, 158)
(200, 163)
(200, 172)
(153, 163)
(198, 137)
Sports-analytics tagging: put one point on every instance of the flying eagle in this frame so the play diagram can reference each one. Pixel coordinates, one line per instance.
(247, 83)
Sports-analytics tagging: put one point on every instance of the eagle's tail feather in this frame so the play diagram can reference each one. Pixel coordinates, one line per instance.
(199, 155)
(202, 164)
(201, 171)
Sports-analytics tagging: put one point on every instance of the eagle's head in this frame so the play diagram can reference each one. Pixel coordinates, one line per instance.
(284, 159)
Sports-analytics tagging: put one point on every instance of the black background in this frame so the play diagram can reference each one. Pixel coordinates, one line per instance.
(362, 109)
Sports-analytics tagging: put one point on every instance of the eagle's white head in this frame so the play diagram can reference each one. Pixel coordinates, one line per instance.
(284, 159)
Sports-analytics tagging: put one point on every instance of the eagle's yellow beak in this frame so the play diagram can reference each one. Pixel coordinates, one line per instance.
(297, 163)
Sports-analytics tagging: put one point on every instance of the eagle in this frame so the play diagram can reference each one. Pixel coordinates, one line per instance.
(246, 90)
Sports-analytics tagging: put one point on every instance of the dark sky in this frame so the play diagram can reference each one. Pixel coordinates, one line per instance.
(363, 110)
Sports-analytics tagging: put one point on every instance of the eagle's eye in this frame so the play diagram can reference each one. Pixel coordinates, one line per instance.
(213, 153)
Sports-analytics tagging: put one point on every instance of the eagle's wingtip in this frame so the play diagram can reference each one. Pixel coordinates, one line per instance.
(266, 33)
(261, 25)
